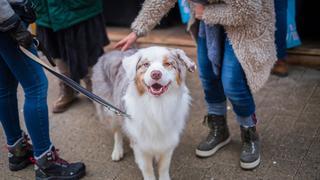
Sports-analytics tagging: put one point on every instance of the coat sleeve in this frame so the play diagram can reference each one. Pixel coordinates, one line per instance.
(8, 19)
(232, 12)
(150, 15)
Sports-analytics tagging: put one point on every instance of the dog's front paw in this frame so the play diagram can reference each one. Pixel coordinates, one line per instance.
(117, 154)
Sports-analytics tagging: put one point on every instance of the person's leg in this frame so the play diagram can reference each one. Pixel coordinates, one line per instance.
(87, 80)
(218, 135)
(281, 68)
(66, 95)
(238, 92)
(236, 87)
(8, 104)
(35, 85)
(211, 84)
(281, 7)
(19, 150)
(51, 42)
(34, 82)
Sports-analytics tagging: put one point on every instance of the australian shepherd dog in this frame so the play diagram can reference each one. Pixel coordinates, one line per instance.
(148, 84)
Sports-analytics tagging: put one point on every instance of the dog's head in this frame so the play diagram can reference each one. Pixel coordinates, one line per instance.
(156, 70)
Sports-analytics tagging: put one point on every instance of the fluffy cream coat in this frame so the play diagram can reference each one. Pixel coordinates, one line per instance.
(157, 121)
(250, 26)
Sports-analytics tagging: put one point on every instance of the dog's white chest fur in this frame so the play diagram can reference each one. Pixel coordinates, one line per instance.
(157, 122)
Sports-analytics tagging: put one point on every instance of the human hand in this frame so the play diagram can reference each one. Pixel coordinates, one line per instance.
(127, 42)
(199, 8)
(21, 35)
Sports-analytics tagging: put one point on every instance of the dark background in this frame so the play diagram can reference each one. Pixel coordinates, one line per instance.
(308, 19)
(123, 12)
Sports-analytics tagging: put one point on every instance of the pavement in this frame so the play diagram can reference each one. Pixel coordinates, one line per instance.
(288, 111)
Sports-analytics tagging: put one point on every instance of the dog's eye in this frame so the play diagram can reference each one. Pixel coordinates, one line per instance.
(167, 64)
(146, 64)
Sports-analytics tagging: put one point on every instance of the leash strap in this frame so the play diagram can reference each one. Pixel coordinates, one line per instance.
(74, 85)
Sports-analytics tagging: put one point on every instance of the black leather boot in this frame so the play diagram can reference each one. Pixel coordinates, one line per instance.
(51, 166)
(20, 154)
(217, 138)
(250, 153)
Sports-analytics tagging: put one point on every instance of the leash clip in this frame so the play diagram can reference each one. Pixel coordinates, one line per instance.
(41, 48)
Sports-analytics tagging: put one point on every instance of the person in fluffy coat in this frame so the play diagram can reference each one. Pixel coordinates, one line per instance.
(236, 51)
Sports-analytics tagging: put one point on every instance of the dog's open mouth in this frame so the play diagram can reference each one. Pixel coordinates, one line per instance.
(157, 89)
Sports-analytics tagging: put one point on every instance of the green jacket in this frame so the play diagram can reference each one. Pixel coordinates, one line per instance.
(61, 14)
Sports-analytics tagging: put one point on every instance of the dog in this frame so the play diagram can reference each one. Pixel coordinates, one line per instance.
(148, 84)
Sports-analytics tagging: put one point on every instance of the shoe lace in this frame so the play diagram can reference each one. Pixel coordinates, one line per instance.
(248, 145)
(26, 145)
(57, 158)
(32, 160)
(213, 132)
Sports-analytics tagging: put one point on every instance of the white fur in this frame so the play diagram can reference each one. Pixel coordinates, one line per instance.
(156, 122)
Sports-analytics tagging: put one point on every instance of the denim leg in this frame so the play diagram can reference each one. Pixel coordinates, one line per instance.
(35, 85)
(211, 84)
(9, 116)
(281, 7)
(236, 87)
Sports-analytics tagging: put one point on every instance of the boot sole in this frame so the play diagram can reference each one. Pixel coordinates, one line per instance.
(20, 166)
(211, 152)
(250, 165)
(74, 177)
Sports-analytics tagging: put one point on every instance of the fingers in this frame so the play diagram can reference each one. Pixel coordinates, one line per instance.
(120, 44)
(124, 44)
(127, 42)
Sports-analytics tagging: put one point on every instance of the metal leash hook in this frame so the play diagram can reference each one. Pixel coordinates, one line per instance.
(116, 112)
(41, 48)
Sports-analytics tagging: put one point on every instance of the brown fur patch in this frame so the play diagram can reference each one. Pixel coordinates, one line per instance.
(175, 66)
(178, 77)
(139, 83)
(166, 63)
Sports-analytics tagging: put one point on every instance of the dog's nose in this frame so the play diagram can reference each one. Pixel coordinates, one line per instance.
(156, 75)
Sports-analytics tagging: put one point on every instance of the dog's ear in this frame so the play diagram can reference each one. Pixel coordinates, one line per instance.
(184, 59)
(129, 64)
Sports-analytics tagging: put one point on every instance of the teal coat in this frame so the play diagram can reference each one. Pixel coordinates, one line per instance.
(61, 14)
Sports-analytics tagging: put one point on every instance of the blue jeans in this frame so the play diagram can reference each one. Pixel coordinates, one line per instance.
(15, 67)
(231, 84)
(281, 7)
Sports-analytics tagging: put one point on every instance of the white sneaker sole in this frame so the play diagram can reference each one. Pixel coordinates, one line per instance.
(214, 150)
(251, 165)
